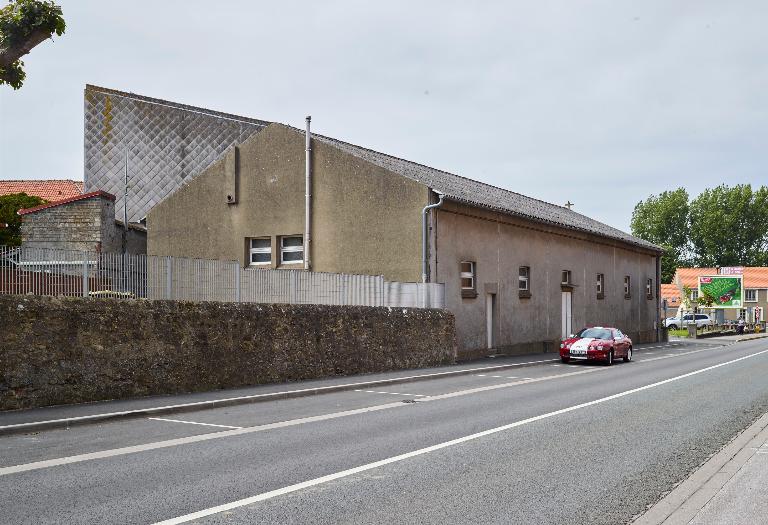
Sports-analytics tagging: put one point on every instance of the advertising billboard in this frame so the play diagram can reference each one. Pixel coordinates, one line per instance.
(727, 291)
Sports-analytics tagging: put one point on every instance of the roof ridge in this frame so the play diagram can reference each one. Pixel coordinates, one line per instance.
(177, 105)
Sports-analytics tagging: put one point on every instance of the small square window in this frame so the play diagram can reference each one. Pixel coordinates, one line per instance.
(750, 296)
(468, 276)
(649, 288)
(260, 252)
(565, 277)
(600, 284)
(292, 249)
(627, 287)
(524, 278)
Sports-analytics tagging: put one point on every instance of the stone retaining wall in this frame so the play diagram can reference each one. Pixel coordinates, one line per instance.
(71, 350)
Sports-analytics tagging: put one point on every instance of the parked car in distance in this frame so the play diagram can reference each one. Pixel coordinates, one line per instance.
(673, 323)
(597, 343)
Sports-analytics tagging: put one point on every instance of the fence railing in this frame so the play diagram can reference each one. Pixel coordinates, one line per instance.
(40, 271)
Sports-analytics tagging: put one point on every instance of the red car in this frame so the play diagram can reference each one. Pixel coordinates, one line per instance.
(597, 343)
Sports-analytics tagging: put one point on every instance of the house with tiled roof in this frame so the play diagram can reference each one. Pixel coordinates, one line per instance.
(49, 190)
(519, 273)
(755, 282)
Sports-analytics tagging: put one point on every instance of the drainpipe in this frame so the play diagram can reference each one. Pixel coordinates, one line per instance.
(308, 199)
(425, 236)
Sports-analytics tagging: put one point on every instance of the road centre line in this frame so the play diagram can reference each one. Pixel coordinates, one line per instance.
(190, 422)
(390, 393)
(394, 459)
(91, 456)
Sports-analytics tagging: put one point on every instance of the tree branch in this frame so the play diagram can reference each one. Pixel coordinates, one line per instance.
(10, 55)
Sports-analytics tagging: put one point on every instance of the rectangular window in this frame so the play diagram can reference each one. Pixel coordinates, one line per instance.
(524, 278)
(694, 295)
(468, 279)
(649, 288)
(600, 284)
(292, 249)
(750, 296)
(260, 252)
(565, 277)
(627, 287)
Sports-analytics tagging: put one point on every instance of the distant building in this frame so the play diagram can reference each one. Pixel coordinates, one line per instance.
(49, 190)
(671, 294)
(85, 222)
(755, 290)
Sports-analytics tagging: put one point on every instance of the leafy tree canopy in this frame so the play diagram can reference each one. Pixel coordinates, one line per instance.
(9, 205)
(723, 226)
(23, 25)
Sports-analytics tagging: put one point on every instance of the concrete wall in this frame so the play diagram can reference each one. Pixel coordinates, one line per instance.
(83, 225)
(64, 350)
(500, 244)
(265, 175)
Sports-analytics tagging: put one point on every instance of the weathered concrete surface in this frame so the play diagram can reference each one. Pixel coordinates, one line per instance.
(70, 350)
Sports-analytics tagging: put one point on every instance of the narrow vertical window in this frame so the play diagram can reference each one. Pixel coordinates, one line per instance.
(649, 289)
(600, 284)
(292, 249)
(627, 287)
(468, 279)
(260, 252)
(524, 281)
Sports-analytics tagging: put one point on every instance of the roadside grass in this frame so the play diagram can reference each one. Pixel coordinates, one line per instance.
(678, 333)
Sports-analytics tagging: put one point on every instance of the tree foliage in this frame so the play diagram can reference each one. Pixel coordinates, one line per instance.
(663, 219)
(9, 205)
(723, 226)
(23, 25)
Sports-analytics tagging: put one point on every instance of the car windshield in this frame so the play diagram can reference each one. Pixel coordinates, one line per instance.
(596, 333)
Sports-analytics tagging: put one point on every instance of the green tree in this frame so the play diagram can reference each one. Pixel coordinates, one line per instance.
(729, 226)
(663, 219)
(23, 25)
(9, 205)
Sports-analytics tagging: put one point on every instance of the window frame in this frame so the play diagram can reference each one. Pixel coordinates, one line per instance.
(472, 274)
(524, 293)
(746, 296)
(291, 249)
(600, 285)
(649, 288)
(627, 286)
(565, 278)
(252, 251)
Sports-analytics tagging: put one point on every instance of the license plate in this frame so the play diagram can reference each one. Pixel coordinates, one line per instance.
(578, 352)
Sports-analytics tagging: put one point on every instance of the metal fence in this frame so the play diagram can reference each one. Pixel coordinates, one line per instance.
(40, 271)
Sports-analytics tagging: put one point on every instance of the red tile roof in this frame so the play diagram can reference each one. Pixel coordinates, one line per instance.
(50, 190)
(81, 197)
(754, 276)
(671, 293)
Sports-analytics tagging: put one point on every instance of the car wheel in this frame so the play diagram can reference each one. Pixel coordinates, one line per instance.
(628, 357)
(565, 360)
(672, 327)
(609, 359)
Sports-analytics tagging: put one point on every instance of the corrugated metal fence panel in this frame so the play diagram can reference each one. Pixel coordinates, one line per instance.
(71, 273)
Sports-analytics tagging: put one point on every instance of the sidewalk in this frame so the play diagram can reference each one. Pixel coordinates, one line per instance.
(730, 488)
(722, 338)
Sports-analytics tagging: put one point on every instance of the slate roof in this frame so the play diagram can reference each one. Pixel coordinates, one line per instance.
(50, 190)
(483, 195)
(81, 197)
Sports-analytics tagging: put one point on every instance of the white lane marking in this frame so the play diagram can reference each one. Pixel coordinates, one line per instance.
(389, 393)
(480, 375)
(556, 365)
(512, 377)
(498, 377)
(208, 403)
(190, 422)
(4, 471)
(394, 459)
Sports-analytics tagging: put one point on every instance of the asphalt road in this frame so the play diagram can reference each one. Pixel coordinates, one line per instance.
(545, 444)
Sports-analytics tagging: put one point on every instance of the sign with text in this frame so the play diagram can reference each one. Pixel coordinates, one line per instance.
(732, 270)
(725, 291)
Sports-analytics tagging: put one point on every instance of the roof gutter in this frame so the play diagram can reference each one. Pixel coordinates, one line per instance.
(425, 236)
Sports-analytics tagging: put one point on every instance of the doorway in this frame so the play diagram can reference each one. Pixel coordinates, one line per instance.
(490, 307)
(567, 328)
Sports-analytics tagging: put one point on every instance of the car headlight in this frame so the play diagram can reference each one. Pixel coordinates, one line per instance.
(600, 347)
(562, 345)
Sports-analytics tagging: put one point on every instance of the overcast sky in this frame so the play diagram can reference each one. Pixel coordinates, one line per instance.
(598, 102)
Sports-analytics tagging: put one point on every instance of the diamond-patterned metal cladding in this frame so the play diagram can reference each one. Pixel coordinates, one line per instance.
(167, 144)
